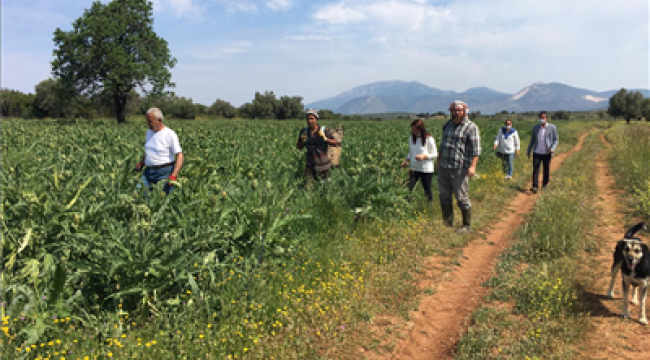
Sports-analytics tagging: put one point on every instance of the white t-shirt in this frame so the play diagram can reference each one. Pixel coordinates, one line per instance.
(429, 149)
(161, 147)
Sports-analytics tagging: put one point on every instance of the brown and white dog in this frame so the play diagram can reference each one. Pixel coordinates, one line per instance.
(632, 257)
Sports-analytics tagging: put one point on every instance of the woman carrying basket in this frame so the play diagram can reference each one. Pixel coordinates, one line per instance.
(316, 139)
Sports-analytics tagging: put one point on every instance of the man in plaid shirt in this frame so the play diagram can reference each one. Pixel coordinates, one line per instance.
(460, 148)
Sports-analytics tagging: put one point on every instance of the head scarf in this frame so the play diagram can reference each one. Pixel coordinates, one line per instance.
(312, 112)
(459, 103)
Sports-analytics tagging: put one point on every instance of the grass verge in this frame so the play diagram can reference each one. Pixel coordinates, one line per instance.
(630, 163)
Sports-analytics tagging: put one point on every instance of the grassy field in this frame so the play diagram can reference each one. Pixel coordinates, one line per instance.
(239, 262)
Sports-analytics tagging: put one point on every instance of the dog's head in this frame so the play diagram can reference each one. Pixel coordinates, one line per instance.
(633, 252)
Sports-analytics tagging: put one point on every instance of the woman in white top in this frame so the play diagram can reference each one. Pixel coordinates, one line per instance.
(421, 157)
(507, 146)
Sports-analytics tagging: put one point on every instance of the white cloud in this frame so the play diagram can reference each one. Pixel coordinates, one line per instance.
(178, 8)
(407, 15)
(218, 51)
(379, 40)
(240, 6)
(309, 38)
(339, 14)
(279, 5)
(534, 29)
(184, 6)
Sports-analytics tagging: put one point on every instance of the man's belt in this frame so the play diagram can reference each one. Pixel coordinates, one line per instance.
(159, 166)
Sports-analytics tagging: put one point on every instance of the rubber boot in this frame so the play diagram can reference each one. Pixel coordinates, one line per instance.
(448, 215)
(467, 221)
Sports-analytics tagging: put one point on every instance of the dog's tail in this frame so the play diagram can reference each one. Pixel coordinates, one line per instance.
(633, 230)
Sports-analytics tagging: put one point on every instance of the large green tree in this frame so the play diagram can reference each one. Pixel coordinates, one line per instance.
(113, 49)
(625, 104)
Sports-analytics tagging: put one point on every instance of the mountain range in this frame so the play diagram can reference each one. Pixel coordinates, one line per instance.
(415, 97)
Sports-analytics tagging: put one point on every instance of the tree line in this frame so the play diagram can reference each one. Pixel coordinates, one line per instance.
(50, 99)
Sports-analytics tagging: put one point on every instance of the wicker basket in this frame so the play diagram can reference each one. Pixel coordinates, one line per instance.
(334, 151)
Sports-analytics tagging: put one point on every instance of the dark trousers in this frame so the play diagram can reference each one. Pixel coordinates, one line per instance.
(546, 160)
(454, 182)
(426, 182)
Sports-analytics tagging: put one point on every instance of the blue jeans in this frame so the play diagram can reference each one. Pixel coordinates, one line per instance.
(153, 176)
(507, 160)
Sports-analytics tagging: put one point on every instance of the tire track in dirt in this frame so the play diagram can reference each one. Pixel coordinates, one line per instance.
(441, 319)
(611, 337)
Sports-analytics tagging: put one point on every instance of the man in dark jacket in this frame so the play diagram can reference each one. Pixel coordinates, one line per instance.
(543, 142)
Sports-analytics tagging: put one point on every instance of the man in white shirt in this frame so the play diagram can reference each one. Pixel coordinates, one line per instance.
(163, 156)
(543, 142)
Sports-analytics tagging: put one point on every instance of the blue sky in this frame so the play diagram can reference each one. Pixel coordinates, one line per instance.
(229, 49)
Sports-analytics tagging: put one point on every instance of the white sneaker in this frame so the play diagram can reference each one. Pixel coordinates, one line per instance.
(508, 177)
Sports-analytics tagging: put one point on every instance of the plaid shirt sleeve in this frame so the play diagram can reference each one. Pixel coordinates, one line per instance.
(474, 139)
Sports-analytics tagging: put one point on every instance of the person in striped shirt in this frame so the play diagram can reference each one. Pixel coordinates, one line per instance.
(460, 148)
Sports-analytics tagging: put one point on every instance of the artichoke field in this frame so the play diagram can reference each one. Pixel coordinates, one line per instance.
(79, 239)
